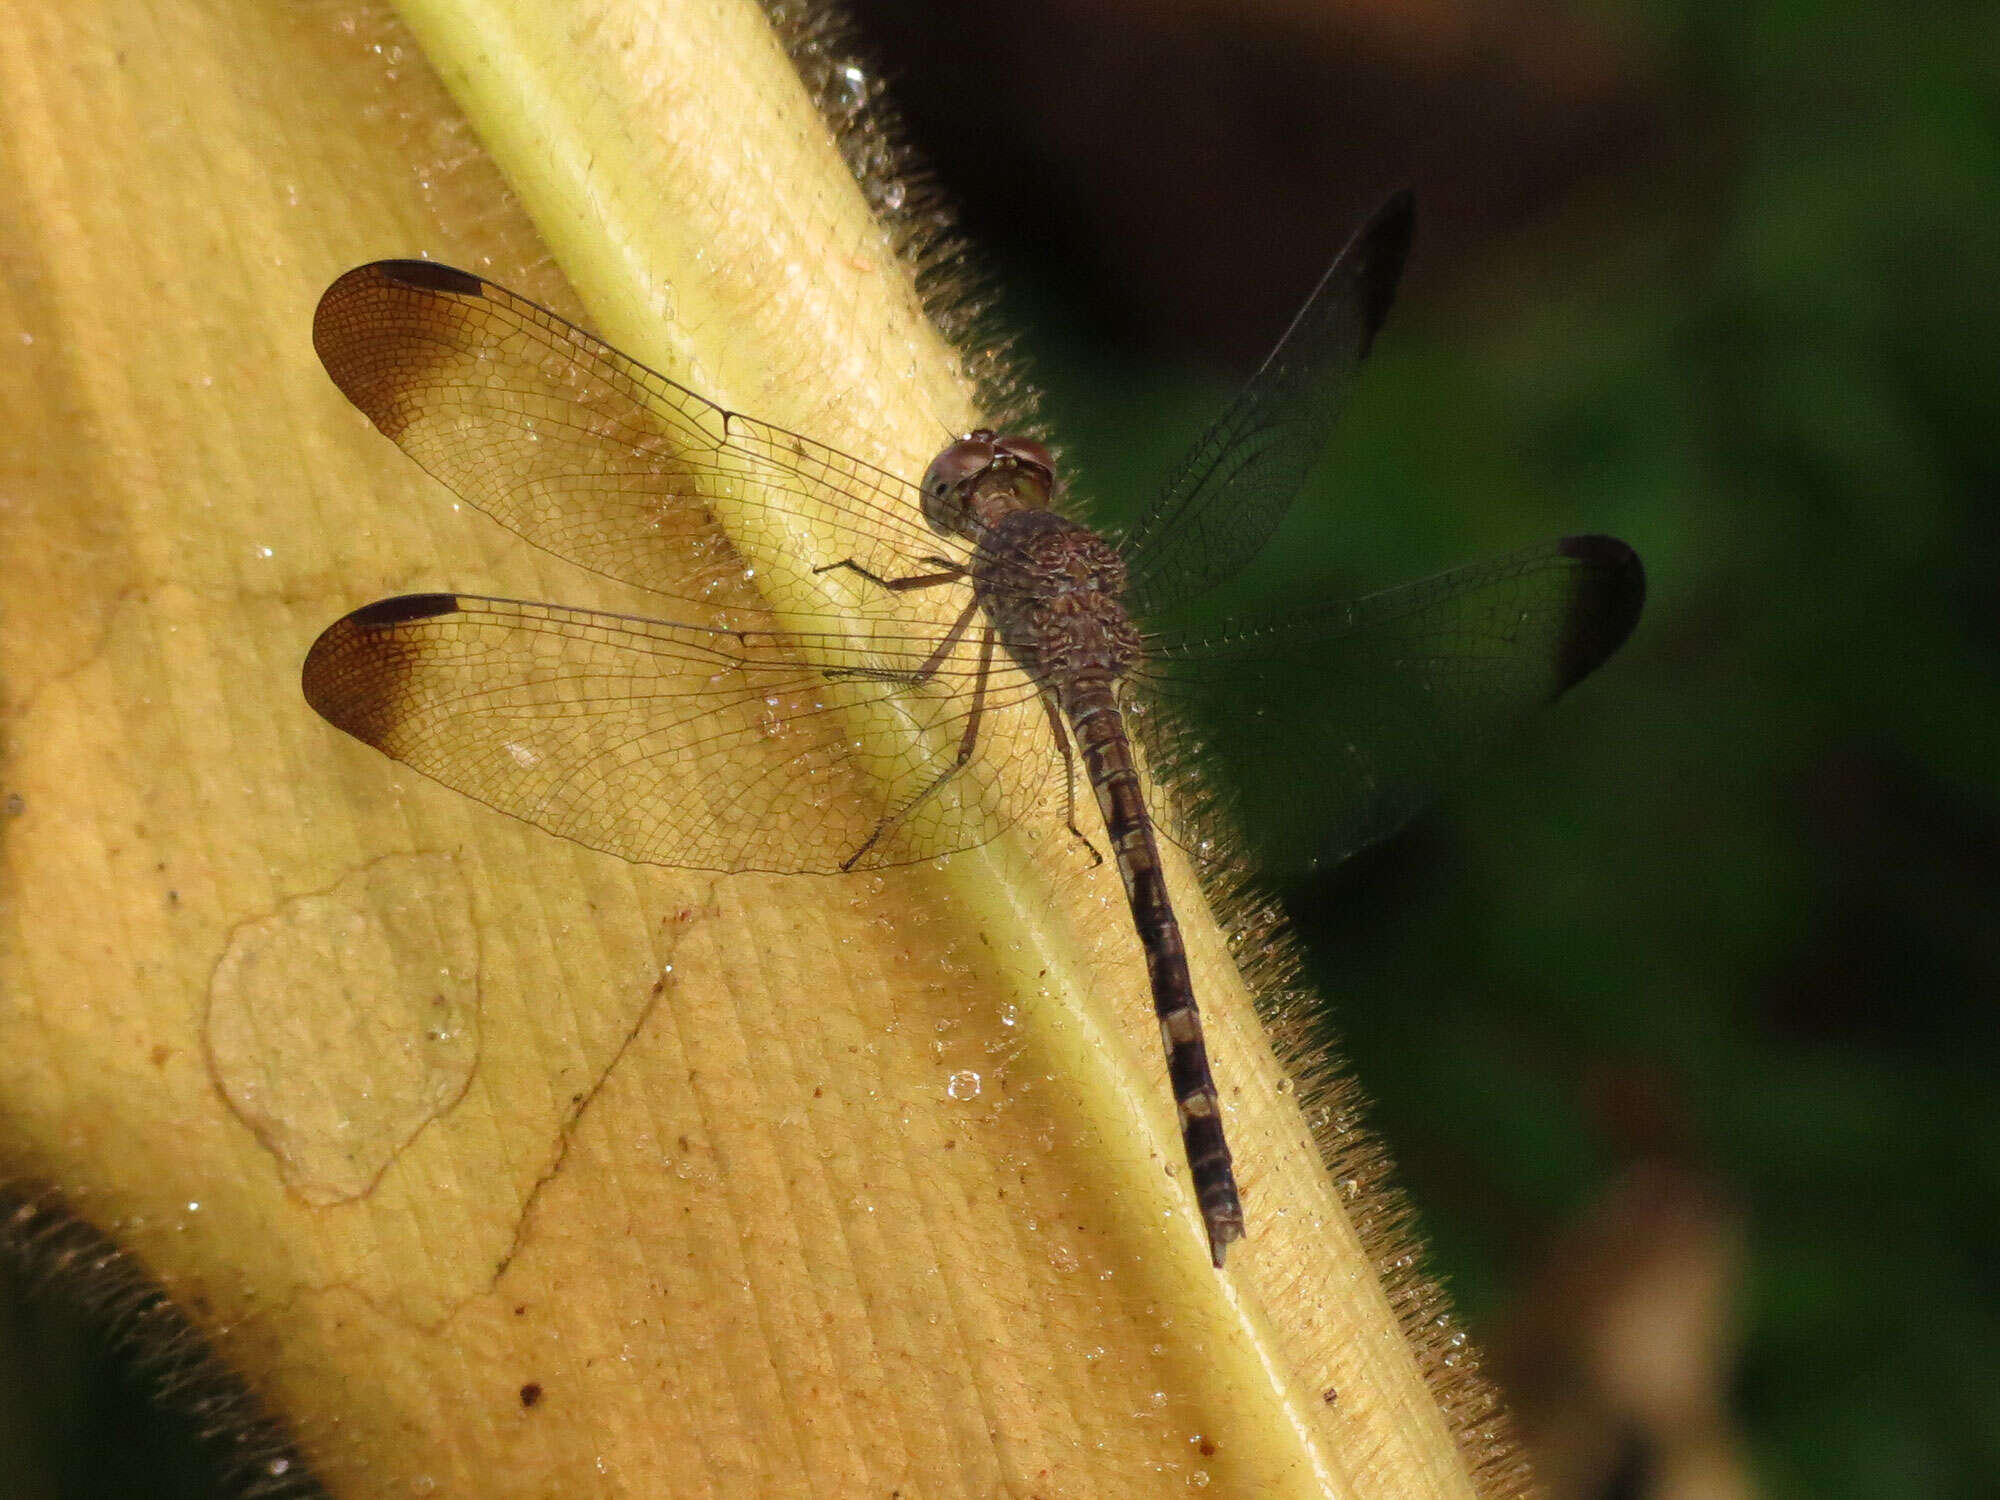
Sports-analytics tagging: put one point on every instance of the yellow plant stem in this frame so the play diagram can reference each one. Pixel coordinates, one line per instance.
(499, 1167)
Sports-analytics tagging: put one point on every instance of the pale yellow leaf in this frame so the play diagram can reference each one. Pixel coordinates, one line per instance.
(499, 1167)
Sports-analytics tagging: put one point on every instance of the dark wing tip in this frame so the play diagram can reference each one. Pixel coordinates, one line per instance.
(364, 331)
(1383, 245)
(332, 319)
(1610, 592)
(402, 609)
(353, 675)
(422, 275)
(425, 276)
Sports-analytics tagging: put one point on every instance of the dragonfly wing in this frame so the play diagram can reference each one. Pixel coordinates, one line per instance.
(1385, 698)
(675, 744)
(586, 453)
(1234, 487)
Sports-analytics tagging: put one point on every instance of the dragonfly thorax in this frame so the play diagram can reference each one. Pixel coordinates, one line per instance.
(982, 477)
(1056, 591)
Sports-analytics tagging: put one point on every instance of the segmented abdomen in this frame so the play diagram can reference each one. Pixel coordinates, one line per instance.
(1092, 710)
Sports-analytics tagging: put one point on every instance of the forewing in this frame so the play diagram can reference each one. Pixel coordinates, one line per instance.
(678, 744)
(586, 453)
(1235, 486)
(1342, 723)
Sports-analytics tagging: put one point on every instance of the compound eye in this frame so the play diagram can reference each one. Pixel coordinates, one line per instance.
(1027, 451)
(963, 460)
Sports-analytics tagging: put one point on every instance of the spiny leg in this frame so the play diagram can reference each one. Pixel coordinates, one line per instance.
(1056, 728)
(924, 671)
(949, 572)
(966, 744)
(952, 573)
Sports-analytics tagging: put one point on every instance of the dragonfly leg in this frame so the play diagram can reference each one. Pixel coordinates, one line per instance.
(967, 742)
(1069, 774)
(948, 572)
(924, 672)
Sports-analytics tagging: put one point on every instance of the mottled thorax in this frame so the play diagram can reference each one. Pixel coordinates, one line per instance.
(1057, 593)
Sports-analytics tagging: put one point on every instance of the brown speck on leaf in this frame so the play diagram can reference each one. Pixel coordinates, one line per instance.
(1207, 1448)
(160, 1053)
(1330, 1395)
(531, 1393)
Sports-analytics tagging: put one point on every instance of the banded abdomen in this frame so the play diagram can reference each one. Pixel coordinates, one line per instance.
(1091, 707)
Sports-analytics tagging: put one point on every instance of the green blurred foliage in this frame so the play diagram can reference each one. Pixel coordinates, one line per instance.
(1757, 859)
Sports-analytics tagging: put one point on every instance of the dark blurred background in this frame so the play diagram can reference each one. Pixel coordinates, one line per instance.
(1678, 1016)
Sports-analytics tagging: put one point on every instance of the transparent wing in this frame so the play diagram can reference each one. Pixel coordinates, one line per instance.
(586, 453)
(1236, 484)
(680, 744)
(1341, 724)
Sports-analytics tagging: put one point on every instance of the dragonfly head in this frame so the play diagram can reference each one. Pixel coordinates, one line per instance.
(983, 476)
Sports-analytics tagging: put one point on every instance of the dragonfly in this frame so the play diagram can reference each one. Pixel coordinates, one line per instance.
(864, 672)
